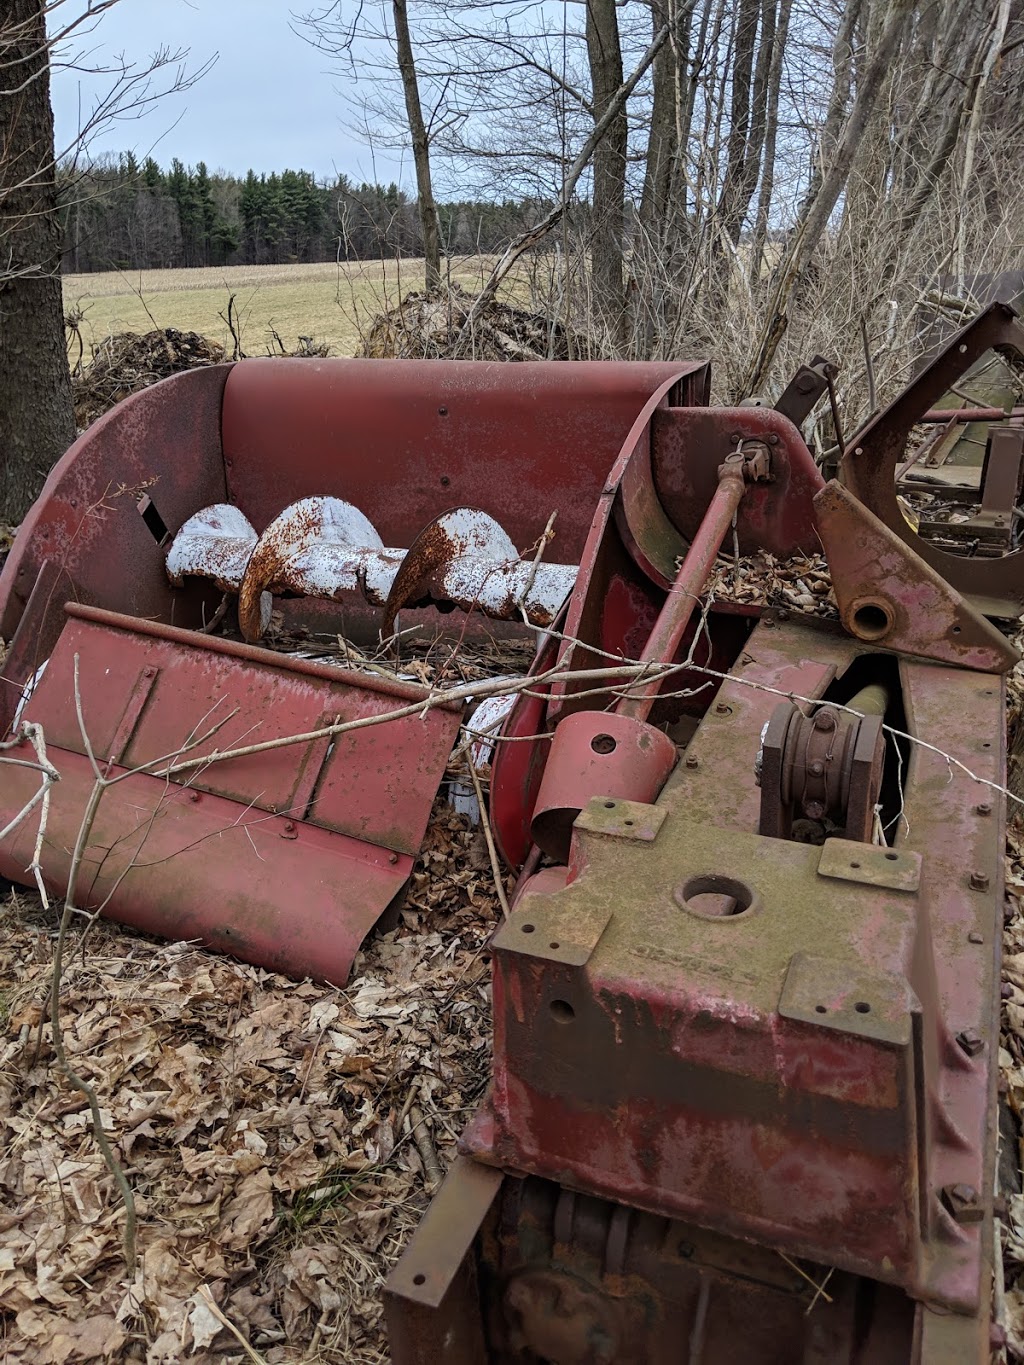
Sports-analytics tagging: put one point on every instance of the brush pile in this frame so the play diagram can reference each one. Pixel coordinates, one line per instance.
(436, 325)
(127, 362)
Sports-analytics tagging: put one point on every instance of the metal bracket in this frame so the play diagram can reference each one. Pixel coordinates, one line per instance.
(805, 388)
(890, 597)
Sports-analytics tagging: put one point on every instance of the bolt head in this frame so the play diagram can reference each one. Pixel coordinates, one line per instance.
(723, 709)
(692, 761)
(969, 1040)
(975, 937)
(984, 808)
(289, 826)
(979, 881)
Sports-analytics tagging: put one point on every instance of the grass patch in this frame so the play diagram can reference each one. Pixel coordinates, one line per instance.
(325, 301)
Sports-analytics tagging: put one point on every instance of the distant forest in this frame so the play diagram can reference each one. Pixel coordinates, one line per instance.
(126, 216)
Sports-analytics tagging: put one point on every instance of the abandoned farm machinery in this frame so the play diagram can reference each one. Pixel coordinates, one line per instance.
(742, 1101)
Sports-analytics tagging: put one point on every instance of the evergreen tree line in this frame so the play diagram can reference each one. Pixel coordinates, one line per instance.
(126, 216)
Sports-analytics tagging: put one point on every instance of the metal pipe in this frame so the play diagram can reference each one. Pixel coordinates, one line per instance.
(870, 701)
(964, 415)
(693, 573)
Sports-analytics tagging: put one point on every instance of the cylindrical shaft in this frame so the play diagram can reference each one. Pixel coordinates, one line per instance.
(870, 701)
(693, 573)
(940, 415)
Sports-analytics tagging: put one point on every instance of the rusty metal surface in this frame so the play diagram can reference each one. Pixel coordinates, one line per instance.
(776, 1072)
(994, 586)
(825, 767)
(324, 547)
(688, 447)
(889, 596)
(215, 543)
(670, 627)
(570, 1280)
(227, 852)
(802, 392)
(86, 529)
(597, 753)
(403, 440)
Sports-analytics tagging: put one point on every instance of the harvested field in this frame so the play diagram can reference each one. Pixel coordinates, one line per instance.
(327, 302)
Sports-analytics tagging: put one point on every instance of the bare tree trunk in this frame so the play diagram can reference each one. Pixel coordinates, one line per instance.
(746, 123)
(420, 146)
(661, 138)
(605, 58)
(764, 197)
(36, 419)
(817, 208)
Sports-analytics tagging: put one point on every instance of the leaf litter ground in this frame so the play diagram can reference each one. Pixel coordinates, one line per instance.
(264, 1125)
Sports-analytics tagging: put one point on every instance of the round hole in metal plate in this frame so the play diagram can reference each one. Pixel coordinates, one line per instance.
(554, 946)
(562, 1011)
(855, 864)
(528, 928)
(419, 1279)
(862, 1007)
(609, 805)
(872, 618)
(892, 857)
(821, 1009)
(712, 895)
(604, 744)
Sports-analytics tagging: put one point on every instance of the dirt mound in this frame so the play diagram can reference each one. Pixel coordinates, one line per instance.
(435, 325)
(127, 362)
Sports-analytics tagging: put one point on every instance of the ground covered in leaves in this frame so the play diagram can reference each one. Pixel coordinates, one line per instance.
(278, 1135)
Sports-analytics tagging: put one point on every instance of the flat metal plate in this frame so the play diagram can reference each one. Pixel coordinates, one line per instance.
(870, 864)
(823, 991)
(622, 819)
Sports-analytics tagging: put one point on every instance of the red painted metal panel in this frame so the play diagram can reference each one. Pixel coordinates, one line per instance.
(86, 524)
(377, 784)
(226, 852)
(188, 865)
(405, 440)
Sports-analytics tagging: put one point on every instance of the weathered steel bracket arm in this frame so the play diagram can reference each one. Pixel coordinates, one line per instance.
(888, 596)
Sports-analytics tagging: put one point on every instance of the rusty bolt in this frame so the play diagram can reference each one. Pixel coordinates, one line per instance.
(692, 761)
(722, 709)
(148, 672)
(289, 826)
(816, 768)
(970, 1041)
(825, 719)
(975, 937)
(773, 439)
(392, 857)
(767, 620)
(963, 1203)
(979, 881)
(193, 796)
(984, 808)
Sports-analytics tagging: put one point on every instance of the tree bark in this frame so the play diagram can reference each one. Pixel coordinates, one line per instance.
(605, 58)
(420, 146)
(37, 421)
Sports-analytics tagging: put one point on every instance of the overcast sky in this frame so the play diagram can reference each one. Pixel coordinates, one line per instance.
(270, 101)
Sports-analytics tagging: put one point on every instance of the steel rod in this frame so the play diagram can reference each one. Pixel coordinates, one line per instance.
(674, 617)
